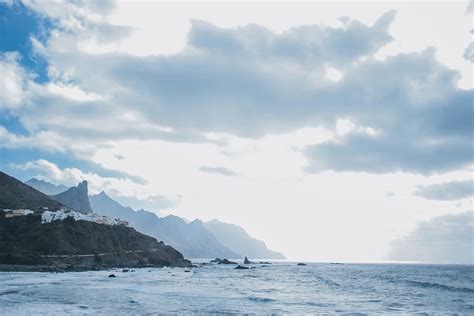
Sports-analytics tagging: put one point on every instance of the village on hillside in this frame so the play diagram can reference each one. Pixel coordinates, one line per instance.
(49, 216)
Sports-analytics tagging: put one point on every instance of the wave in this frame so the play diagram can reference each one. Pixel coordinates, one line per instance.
(433, 285)
(260, 299)
(9, 292)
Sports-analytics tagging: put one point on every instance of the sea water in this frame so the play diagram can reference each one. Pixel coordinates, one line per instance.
(281, 287)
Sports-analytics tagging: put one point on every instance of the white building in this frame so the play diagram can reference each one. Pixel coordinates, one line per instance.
(19, 212)
(62, 214)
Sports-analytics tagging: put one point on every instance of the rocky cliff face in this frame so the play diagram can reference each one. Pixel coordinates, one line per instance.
(76, 198)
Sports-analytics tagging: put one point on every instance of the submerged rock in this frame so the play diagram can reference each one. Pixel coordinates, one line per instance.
(301, 264)
(239, 267)
(222, 261)
(112, 276)
(125, 270)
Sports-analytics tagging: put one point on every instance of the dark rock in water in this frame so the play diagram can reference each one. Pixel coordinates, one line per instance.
(265, 262)
(112, 276)
(247, 261)
(187, 270)
(301, 264)
(222, 261)
(239, 267)
(125, 270)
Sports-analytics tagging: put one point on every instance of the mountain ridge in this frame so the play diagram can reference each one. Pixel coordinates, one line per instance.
(27, 244)
(76, 198)
(236, 238)
(46, 187)
(193, 240)
(15, 194)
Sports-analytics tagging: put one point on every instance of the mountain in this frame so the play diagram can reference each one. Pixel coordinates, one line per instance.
(76, 198)
(27, 244)
(192, 239)
(45, 187)
(78, 245)
(15, 194)
(236, 238)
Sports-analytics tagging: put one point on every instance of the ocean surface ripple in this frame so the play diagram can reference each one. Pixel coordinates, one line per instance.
(282, 287)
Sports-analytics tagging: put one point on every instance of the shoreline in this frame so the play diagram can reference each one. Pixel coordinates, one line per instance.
(62, 267)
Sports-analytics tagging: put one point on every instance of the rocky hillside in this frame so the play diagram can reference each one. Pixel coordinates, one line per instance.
(76, 198)
(192, 239)
(236, 238)
(70, 244)
(15, 194)
(80, 245)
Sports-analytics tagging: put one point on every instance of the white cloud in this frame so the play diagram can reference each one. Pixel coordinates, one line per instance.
(72, 92)
(124, 188)
(13, 81)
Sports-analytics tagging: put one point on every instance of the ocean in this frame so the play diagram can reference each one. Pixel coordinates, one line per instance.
(282, 287)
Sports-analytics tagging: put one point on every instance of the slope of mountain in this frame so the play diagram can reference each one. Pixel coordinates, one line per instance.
(70, 244)
(15, 194)
(76, 198)
(46, 187)
(192, 239)
(236, 238)
(80, 245)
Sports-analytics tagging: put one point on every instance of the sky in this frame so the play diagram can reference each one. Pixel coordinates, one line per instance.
(333, 131)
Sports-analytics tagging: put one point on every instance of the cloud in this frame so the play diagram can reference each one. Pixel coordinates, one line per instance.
(218, 170)
(448, 191)
(423, 121)
(469, 52)
(470, 8)
(124, 187)
(249, 82)
(444, 239)
(311, 45)
(13, 81)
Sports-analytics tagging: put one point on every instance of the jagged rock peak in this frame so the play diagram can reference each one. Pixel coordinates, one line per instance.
(82, 185)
